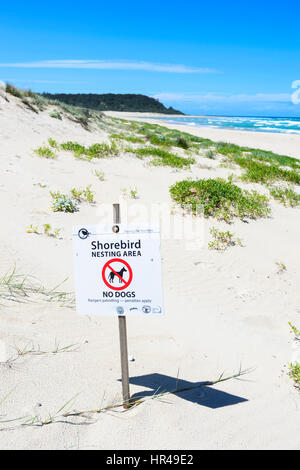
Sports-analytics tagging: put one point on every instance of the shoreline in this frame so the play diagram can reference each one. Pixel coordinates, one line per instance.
(284, 144)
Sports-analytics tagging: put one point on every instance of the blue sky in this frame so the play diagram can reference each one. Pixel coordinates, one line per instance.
(217, 57)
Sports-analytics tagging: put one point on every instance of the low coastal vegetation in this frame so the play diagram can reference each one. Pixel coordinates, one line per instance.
(83, 194)
(53, 143)
(62, 203)
(281, 267)
(258, 172)
(294, 367)
(179, 150)
(45, 230)
(128, 138)
(99, 174)
(220, 199)
(163, 158)
(98, 150)
(102, 150)
(278, 173)
(286, 196)
(222, 240)
(36, 103)
(295, 373)
(294, 330)
(258, 166)
(45, 152)
(147, 139)
(131, 192)
(55, 115)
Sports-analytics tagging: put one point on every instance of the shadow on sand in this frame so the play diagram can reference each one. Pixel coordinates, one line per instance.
(201, 393)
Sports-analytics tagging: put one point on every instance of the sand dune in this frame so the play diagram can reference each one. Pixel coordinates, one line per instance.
(222, 309)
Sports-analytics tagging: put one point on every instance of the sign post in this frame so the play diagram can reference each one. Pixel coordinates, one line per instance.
(118, 272)
(123, 333)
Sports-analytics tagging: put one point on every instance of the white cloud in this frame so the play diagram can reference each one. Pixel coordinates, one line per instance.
(225, 98)
(21, 80)
(109, 65)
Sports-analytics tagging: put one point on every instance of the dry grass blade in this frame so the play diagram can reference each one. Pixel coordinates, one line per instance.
(6, 396)
(30, 349)
(37, 421)
(24, 288)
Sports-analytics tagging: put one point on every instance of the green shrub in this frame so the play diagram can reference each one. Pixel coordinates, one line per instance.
(182, 142)
(220, 199)
(62, 203)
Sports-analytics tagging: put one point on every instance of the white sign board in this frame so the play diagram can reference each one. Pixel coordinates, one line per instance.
(118, 273)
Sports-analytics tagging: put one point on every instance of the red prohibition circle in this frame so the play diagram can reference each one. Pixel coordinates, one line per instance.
(107, 265)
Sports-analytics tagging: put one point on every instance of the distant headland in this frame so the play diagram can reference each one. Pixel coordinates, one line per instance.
(114, 102)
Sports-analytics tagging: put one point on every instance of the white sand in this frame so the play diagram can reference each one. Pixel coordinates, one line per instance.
(223, 310)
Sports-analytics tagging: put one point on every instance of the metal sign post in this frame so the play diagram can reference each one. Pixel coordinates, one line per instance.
(123, 334)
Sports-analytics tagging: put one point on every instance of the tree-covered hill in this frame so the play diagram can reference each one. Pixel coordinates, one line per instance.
(114, 102)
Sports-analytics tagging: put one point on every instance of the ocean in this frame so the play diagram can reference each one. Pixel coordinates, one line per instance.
(257, 124)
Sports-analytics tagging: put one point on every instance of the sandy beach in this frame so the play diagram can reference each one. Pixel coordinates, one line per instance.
(224, 310)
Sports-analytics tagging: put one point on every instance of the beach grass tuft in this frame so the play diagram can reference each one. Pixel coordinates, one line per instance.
(24, 288)
(85, 194)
